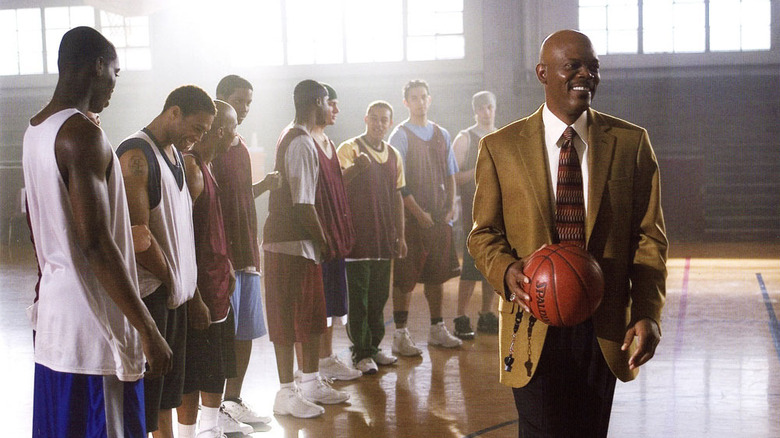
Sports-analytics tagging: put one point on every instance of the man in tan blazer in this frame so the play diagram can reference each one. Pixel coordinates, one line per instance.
(563, 379)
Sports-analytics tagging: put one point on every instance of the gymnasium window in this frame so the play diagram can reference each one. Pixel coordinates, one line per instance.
(676, 26)
(30, 37)
(21, 42)
(305, 32)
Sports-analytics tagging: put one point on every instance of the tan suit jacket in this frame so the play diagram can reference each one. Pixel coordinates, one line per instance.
(514, 214)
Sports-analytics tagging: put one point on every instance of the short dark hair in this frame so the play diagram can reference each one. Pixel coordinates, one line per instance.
(80, 47)
(380, 104)
(414, 83)
(191, 99)
(230, 83)
(306, 93)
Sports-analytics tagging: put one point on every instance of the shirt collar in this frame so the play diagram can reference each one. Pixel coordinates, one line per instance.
(555, 126)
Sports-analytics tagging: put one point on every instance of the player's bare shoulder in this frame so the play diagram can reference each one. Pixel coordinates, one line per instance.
(80, 143)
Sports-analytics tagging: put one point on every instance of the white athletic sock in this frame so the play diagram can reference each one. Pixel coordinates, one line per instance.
(208, 418)
(290, 385)
(187, 430)
(309, 380)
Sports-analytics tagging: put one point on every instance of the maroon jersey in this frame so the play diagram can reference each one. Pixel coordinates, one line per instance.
(211, 250)
(233, 172)
(371, 196)
(332, 206)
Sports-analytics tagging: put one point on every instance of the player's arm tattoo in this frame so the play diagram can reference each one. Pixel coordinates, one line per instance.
(137, 166)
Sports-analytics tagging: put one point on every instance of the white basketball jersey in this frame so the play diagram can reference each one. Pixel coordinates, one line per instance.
(170, 222)
(79, 329)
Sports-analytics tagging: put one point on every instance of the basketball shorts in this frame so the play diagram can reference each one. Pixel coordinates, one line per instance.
(211, 357)
(295, 301)
(247, 302)
(67, 405)
(164, 392)
(431, 257)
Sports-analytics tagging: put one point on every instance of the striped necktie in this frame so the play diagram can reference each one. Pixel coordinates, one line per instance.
(569, 205)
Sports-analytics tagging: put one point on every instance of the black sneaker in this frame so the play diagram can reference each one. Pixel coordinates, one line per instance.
(487, 323)
(463, 328)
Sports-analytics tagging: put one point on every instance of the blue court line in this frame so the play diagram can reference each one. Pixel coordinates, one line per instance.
(774, 325)
(491, 428)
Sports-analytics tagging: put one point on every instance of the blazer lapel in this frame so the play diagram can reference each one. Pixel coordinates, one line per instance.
(601, 146)
(532, 154)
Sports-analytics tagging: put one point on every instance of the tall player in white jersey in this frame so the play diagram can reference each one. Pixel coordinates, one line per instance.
(91, 328)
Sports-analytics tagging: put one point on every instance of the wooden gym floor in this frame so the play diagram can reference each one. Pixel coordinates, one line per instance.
(716, 372)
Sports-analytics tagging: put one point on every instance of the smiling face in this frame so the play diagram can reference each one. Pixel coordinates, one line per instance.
(378, 122)
(569, 70)
(189, 129)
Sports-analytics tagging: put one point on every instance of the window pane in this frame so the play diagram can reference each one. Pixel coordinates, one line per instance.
(724, 38)
(28, 19)
(137, 33)
(421, 22)
(260, 22)
(593, 18)
(369, 39)
(108, 19)
(656, 14)
(689, 40)
(450, 47)
(658, 40)
(449, 23)
(622, 17)
(82, 16)
(420, 48)
(756, 13)
(116, 35)
(599, 40)
(9, 63)
(449, 5)
(138, 59)
(622, 41)
(756, 38)
(314, 31)
(53, 38)
(30, 62)
(592, 3)
(689, 15)
(723, 13)
(56, 18)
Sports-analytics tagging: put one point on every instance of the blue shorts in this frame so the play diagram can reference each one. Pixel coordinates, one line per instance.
(67, 405)
(247, 301)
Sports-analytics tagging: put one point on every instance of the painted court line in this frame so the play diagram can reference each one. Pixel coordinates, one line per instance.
(774, 325)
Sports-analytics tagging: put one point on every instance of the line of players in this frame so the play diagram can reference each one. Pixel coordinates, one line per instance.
(337, 218)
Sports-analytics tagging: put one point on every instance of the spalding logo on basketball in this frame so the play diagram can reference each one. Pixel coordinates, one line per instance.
(567, 284)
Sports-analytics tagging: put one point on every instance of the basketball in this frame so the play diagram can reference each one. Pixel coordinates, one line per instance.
(566, 286)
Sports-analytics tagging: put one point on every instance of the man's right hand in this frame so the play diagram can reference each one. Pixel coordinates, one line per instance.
(425, 220)
(158, 354)
(515, 281)
(198, 314)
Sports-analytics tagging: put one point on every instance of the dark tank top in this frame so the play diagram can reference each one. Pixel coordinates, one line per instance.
(211, 249)
(332, 206)
(371, 198)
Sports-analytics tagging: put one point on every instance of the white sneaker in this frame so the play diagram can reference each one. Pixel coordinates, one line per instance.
(214, 432)
(333, 368)
(229, 424)
(290, 401)
(382, 358)
(403, 343)
(439, 335)
(367, 366)
(243, 412)
(320, 391)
